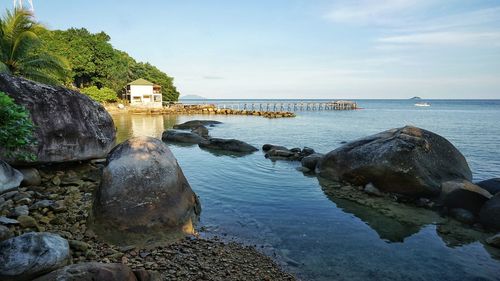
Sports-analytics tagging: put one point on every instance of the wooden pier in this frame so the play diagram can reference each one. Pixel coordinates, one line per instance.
(285, 106)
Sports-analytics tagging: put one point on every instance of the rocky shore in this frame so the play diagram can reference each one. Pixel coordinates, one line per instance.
(196, 109)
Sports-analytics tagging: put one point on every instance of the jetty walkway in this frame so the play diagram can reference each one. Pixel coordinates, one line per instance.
(281, 106)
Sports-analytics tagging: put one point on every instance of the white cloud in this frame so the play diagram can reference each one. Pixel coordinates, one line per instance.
(446, 38)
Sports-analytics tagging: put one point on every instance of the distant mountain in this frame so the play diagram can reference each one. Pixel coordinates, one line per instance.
(192, 97)
(416, 98)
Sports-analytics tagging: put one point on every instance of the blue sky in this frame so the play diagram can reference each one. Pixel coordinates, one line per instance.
(303, 48)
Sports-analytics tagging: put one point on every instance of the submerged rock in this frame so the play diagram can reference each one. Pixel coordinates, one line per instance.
(181, 136)
(10, 178)
(231, 145)
(201, 131)
(408, 160)
(69, 126)
(91, 271)
(491, 185)
(195, 123)
(489, 215)
(463, 194)
(143, 196)
(32, 254)
(311, 161)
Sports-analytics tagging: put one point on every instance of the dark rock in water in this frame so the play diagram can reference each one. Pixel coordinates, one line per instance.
(10, 178)
(31, 177)
(90, 271)
(311, 161)
(494, 240)
(491, 185)
(267, 147)
(463, 194)
(296, 150)
(181, 136)
(31, 255)
(489, 215)
(201, 131)
(227, 145)
(195, 123)
(372, 190)
(306, 151)
(463, 215)
(144, 196)
(282, 154)
(69, 126)
(408, 160)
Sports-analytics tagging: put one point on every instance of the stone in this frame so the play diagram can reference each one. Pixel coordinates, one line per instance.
(372, 190)
(463, 215)
(267, 147)
(231, 145)
(146, 275)
(491, 185)
(201, 131)
(10, 178)
(32, 254)
(31, 177)
(180, 136)
(311, 161)
(409, 161)
(143, 194)
(463, 194)
(306, 151)
(78, 245)
(7, 221)
(489, 215)
(5, 233)
(494, 240)
(69, 126)
(195, 123)
(90, 271)
(22, 210)
(42, 204)
(281, 153)
(27, 221)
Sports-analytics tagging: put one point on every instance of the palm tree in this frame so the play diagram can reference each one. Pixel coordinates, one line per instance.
(20, 52)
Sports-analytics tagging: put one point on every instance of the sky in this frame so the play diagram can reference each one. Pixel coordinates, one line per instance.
(447, 49)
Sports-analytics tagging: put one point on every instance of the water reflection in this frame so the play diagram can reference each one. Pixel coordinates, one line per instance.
(135, 125)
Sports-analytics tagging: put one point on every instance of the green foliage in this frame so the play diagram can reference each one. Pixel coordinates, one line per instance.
(100, 95)
(94, 62)
(20, 52)
(16, 129)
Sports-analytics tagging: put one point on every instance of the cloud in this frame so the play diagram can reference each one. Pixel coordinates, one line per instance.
(445, 38)
(209, 77)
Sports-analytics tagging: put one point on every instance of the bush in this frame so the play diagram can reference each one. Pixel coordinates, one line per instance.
(100, 95)
(16, 129)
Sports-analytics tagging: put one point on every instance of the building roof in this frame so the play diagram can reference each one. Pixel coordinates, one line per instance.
(142, 82)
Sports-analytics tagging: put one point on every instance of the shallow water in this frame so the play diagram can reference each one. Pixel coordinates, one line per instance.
(272, 205)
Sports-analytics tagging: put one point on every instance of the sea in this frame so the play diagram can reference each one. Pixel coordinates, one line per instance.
(287, 215)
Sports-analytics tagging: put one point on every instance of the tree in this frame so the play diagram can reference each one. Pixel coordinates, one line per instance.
(19, 50)
(16, 128)
(100, 95)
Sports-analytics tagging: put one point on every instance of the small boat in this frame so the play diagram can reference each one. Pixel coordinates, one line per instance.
(422, 104)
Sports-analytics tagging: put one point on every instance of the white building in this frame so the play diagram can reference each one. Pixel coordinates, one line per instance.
(143, 93)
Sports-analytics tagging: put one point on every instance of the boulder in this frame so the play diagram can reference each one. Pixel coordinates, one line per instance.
(311, 161)
(489, 215)
(231, 145)
(267, 147)
(281, 154)
(491, 185)
(31, 255)
(10, 178)
(181, 137)
(143, 195)
(408, 160)
(69, 126)
(90, 271)
(306, 151)
(31, 177)
(201, 131)
(463, 194)
(195, 123)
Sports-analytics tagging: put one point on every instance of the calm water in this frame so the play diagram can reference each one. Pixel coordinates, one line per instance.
(272, 205)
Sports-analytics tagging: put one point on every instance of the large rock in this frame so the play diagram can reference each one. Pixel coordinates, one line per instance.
(181, 136)
(91, 271)
(490, 213)
(32, 254)
(311, 161)
(463, 194)
(69, 126)
(491, 185)
(195, 123)
(408, 160)
(231, 145)
(10, 178)
(143, 195)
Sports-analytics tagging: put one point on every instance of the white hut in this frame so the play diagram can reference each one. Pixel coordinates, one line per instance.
(143, 93)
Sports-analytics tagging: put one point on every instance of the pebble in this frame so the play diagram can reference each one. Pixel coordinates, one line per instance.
(27, 221)
(22, 210)
(7, 221)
